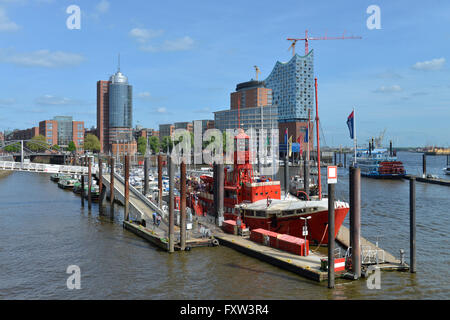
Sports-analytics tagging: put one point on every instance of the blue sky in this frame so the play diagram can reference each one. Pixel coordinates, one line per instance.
(184, 58)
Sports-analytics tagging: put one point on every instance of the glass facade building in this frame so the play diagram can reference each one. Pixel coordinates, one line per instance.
(65, 130)
(259, 117)
(120, 102)
(292, 85)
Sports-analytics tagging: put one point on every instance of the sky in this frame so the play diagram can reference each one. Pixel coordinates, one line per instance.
(184, 58)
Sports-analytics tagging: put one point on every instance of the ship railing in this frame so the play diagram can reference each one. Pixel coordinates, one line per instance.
(372, 255)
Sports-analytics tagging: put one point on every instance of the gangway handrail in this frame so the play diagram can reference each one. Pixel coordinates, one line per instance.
(140, 196)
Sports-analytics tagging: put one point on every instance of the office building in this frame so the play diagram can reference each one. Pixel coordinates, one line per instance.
(184, 125)
(166, 130)
(25, 134)
(103, 114)
(255, 110)
(49, 129)
(251, 94)
(115, 115)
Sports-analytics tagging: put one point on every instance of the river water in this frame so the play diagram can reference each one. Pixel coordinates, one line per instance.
(43, 230)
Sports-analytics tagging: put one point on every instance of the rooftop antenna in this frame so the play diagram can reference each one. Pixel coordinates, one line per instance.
(118, 66)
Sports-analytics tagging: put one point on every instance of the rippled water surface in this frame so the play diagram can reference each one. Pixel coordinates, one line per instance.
(43, 230)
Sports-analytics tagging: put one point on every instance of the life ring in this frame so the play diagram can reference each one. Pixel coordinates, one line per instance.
(215, 242)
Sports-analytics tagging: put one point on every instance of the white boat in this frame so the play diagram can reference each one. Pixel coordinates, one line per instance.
(447, 170)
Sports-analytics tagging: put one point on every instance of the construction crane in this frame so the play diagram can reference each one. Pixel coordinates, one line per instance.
(257, 71)
(377, 141)
(307, 38)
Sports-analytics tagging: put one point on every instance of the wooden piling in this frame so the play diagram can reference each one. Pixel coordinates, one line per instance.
(345, 160)
(171, 170)
(351, 203)
(100, 183)
(424, 164)
(356, 236)
(331, 235)
(100, 175)
(220, 193)
(160, 185)
(412, 224)
(82, 190)
(286, 175)
(89, 183)
(183, 206)
(111, 184)
(215, 192)
(127, 187)
(146, 184)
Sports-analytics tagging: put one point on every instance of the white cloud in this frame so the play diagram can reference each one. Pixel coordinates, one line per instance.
(161, 110)
(144, 95)
(203, 110)
(7, 25)
(102, 6)
(180, 44)
(7, 101)
(142, 35)
(431, 65)
(41, 58)
(389, 89)
(52, 100)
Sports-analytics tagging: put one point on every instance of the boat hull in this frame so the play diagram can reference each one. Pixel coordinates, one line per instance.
(293, 225)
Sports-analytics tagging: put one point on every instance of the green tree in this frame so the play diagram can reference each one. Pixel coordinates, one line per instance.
(91, 143)
(142, 145)
(12, 147)
(37, 143)
(154, 144)
(166, 143)
(71, 147)
(56, 147)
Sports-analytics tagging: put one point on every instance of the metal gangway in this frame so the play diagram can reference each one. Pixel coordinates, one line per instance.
(45, 168)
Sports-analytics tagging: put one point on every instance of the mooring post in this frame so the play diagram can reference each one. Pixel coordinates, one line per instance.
(448, 160)
(215, 191)
(127, 187)
(345, 160)
(286, 176)
(335, 158)
(330, 235)
(89, 183)
(146, 185)
(160, 185)
(351, 204)
(412, 224)
(100, 183)
(356, 236)
(171, 170)
(306, 177)
(424, 165)
(82, 190)
(111, 184)
(183, 206)
(220, 193)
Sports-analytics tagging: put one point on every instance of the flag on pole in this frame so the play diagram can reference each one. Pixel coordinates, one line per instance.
(306, 137)
(351, 124)
(286, 136)
(290, 146)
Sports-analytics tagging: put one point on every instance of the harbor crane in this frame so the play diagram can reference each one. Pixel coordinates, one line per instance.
(307, 38)
(257, 71)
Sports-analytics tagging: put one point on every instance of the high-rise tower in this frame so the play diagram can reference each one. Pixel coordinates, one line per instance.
(115, 114)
